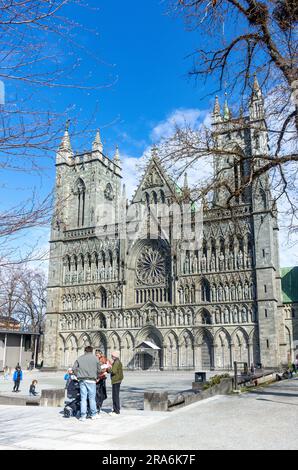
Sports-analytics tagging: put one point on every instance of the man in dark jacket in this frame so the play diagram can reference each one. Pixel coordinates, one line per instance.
(116, 377)
(87, 369)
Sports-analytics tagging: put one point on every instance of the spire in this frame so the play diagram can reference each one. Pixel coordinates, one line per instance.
(216, 116)
(216, 109)
(124, 191)
(65, 150)
(97, 144)
(256, 87)
(256, 106)
(154, 152)
(65, 142)
(186, 191)
(117, 156)
(226, 110)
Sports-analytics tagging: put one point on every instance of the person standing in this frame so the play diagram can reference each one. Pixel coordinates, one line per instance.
(101, 391)
(116, 372)
(98, 353)
(17, 377)
(87, 370)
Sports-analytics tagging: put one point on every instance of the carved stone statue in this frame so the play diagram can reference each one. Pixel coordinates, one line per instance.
(212, 262)
(240, 259)
(231, 260)
(220, 292)
(221, 261)
(227, 292)
(204, 262)
(246, 291)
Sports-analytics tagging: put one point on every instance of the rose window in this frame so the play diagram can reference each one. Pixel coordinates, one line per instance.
(151, 266)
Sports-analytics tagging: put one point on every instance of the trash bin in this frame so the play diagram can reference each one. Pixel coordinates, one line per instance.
(200, 377)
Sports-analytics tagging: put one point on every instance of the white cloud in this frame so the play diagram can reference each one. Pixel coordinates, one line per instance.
(191, 117)
(131, 173)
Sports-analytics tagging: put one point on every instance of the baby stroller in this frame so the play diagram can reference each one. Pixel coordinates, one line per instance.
(72, 403)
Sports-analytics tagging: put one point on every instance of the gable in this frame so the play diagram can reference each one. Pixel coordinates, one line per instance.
(155, 180)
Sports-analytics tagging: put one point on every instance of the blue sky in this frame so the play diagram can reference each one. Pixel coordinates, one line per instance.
(143, 56)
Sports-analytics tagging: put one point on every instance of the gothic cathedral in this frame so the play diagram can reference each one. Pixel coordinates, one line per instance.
(160, 304)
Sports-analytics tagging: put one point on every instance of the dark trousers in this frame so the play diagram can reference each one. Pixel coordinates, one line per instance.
(16, 385)
(115, 397)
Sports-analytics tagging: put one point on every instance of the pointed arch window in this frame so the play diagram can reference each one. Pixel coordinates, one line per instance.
(80, 191)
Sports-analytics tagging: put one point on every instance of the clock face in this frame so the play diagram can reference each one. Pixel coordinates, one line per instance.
(108, 192)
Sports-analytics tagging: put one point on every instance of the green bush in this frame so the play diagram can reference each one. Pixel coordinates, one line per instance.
(215, 380)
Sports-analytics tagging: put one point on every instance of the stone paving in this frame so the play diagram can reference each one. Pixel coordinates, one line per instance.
(132, 388)
(265, 418)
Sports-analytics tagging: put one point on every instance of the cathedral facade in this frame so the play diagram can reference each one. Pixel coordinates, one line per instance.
(161, 303)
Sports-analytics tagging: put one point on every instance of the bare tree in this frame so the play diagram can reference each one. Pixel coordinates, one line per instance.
(9, 291)
(36, 38)
(242, 37)
(23, 296)
(31, 308)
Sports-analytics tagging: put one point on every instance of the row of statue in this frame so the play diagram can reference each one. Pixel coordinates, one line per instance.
(166, 318)
(81, 301)
(227, 292)
(101, 274)
(230, 261)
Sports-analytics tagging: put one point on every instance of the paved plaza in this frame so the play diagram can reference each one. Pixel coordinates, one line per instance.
(263, 419)
(132, 389)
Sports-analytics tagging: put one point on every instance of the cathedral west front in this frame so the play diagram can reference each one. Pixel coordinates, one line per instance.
(163, 303)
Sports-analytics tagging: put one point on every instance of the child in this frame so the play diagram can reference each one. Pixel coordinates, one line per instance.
(17, 377)
(32, 391)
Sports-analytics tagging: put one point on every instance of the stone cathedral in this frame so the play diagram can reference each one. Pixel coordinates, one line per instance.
(160, 305)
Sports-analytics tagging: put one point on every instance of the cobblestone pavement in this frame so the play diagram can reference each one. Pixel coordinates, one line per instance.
(265, 418)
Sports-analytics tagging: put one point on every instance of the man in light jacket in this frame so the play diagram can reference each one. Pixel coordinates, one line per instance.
(87, 369)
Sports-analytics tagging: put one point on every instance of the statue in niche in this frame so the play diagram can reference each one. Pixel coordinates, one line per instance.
(233, 292)
(220, 292)
(212, 262)
(194, 264)
(246, 291)
(231, 260)
(244, 315)
(252, 291)
(239, 290)
(227, 292)
(217, 315)
(204, 262)
(213, 291)
(240, 259)
(235, 315)
(226, 315)
(221, 261)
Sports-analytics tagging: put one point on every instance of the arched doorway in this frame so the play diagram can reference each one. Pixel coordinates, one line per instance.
(148, 350)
